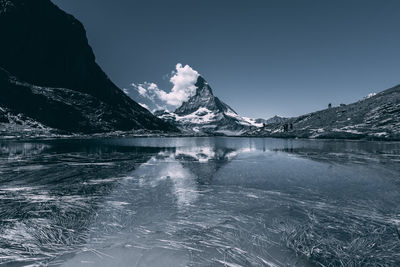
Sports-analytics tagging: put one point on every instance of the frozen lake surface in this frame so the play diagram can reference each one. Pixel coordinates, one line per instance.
(199, 202)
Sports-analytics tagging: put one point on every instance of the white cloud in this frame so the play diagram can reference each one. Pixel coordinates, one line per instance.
(142, 91)
(183, 80)
(147, 90)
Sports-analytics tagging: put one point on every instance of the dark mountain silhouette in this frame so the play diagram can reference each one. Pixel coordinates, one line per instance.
(49, 73)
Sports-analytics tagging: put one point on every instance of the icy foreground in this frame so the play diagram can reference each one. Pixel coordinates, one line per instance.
(199, 202)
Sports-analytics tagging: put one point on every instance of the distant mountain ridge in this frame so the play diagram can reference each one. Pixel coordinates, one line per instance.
(49, 74)
(374, 117)
(204, 113)
(274, 119)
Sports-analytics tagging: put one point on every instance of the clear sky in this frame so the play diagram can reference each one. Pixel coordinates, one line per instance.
(262, 57)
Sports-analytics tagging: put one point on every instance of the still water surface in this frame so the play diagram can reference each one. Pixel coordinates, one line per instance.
(199, 202)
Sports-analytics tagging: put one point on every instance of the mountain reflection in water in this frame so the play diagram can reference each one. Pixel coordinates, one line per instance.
(199, 202)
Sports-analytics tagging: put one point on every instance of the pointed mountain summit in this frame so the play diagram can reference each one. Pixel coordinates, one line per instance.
(204, 113)
(204, 98)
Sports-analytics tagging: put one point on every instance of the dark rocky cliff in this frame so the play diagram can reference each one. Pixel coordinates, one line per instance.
(42, 46)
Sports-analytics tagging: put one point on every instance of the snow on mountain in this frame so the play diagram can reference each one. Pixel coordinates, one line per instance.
(203, 113)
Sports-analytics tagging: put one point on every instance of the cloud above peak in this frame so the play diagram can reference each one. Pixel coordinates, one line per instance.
(183, 80)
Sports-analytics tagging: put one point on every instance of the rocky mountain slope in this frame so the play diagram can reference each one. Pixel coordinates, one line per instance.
(49, 74)
(375, 117)
(204, 113)
(18, 125)
(274, 119)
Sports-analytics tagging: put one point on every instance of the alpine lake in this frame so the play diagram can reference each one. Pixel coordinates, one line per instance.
(206, 201)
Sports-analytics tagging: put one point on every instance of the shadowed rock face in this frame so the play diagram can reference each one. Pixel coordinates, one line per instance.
(43, 46)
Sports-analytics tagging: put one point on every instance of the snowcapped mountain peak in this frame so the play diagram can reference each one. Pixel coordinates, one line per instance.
(204, 97)
(205, 113)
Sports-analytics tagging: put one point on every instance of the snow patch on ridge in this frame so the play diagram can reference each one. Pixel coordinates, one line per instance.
(243, 120)
(200, 116)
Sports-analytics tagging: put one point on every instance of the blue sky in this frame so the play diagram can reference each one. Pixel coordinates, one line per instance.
(262, 57)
